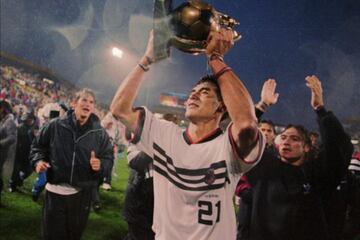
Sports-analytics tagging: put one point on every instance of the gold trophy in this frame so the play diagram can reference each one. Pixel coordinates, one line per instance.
(187, 27)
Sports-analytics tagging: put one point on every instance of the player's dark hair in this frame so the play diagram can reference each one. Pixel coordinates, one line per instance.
(212, 80)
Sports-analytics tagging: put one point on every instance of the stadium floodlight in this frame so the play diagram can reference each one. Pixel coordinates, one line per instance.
(117, 52)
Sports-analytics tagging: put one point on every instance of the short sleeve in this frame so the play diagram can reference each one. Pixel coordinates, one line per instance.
(245, 164)
(151, 129)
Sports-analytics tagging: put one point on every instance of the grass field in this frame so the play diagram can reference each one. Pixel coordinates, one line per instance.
(20, 216)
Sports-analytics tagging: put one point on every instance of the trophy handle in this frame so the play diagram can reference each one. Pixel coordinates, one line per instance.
(162, 30)
(228, 22)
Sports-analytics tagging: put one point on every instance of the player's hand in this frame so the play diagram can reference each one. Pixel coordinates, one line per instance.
(219, 42)
(268, 94)
(314, 84)
(149, 56)
(94, 162)
(41, 166)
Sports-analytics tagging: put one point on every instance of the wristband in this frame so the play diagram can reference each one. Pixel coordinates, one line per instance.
(221, 72)
(216, 56)
(262, 106)
(145, 68)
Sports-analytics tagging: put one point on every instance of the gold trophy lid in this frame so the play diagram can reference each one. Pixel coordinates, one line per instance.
(187, 27)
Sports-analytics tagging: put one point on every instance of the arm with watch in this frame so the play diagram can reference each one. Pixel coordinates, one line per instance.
(122, 104)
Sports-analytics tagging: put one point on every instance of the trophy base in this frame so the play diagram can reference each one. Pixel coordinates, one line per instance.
(193, 47)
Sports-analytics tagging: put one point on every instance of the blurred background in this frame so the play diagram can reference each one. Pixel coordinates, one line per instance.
(282, 39)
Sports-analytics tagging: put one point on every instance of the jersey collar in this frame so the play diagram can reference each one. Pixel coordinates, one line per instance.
(212, 135)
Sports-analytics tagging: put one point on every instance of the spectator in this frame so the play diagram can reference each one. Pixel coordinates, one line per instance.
(7, 136)
(116, 131)
(72, 150)
(139, 198)
(25, 135)
(287, 191)
(268, 129)
(352, 224)
(314, 137)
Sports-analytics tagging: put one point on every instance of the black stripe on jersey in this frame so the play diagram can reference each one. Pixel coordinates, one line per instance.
(175, 173)
(172, 173)
(189, 172)
(179, 185)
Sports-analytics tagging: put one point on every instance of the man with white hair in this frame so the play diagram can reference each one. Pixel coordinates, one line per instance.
(72, 150)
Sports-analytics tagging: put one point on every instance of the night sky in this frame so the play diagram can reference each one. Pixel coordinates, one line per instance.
(282, 39)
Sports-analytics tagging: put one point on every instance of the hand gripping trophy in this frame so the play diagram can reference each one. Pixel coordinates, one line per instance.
(186, 27)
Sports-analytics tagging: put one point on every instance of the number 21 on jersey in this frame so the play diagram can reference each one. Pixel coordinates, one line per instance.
(209, 213)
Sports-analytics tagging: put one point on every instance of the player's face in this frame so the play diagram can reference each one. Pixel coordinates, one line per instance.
(203, 104)
(267, 130)
(83, 107)
(292, 146)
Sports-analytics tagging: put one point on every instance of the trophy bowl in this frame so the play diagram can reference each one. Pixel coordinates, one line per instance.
(187, 27)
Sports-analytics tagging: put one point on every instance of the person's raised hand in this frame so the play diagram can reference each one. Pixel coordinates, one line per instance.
(268, 93)
(314, 84)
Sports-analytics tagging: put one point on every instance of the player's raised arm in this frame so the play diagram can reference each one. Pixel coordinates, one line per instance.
(235, 95)
(122, 104)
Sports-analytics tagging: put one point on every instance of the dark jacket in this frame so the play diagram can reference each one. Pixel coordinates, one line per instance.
(67, 147)
(25, 136)
(139, 198)
(287, 200)
(7, 141)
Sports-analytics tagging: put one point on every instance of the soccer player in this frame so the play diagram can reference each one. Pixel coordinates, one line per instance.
(196, 170)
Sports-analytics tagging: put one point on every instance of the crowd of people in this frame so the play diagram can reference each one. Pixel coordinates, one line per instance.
(28, 103)
(290, 185)
(289, 188)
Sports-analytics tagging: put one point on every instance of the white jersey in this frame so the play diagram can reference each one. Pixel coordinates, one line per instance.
(194, 184)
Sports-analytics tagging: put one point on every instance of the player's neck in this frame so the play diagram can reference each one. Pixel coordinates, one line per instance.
(199, 130)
